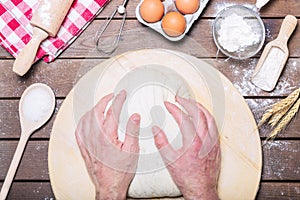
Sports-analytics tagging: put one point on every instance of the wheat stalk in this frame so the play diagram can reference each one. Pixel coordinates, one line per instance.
(285, 121)
(288, 101)
(277, 116)
(265, 117)
(280, 106)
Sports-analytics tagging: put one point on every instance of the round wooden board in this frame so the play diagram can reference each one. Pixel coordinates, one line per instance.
(241, 161)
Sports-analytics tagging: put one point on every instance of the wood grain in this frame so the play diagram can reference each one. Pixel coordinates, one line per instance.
(62, 74)
(280, 178)
(10, 128)
(198, 42)
(42, 190)
(30, 191)
(280, 160)
(278, 8)
(282, 191)
(34, 164)
(258, 108)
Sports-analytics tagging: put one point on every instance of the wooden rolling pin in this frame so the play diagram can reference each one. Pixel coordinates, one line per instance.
(45, 21)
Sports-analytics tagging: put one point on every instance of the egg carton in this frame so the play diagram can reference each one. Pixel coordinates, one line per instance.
(169, 5)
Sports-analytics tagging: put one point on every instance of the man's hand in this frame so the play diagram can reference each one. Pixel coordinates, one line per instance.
(195, 166)
(110, 163)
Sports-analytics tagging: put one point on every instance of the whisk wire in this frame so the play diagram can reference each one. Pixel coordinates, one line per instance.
(122, 11)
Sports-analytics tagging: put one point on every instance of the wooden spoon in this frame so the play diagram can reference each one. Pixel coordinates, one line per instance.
(274, 57)
(29, 123)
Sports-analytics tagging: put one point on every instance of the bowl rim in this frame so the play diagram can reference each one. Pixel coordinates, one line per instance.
(257, 17)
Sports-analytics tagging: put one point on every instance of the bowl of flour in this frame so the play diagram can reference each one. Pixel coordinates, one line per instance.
(238, 32)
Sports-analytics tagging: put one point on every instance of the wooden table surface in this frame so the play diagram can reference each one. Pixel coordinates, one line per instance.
(281, 157)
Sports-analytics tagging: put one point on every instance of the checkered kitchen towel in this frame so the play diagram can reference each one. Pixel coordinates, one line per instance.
(16, 31)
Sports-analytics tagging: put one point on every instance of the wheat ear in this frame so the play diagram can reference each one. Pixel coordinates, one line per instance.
(285, 121)
(280, 105)
(278, 116)
(287, 102)
(265, 117)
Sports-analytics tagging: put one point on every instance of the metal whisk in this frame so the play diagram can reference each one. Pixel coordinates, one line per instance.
(122, 11)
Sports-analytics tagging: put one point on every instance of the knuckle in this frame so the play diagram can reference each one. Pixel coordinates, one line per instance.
(185, 117)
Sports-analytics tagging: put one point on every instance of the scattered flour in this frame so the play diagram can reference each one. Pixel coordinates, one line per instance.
(235, 34)
(294, 64)
(269, 34)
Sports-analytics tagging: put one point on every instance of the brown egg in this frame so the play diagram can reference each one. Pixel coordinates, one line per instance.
(152, 10)
(173, 24)
(187, 6)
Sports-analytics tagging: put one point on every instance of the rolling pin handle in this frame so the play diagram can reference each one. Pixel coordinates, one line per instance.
(26, 57)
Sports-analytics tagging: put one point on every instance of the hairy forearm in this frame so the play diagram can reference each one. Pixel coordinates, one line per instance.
(203, 195)
(110, 195)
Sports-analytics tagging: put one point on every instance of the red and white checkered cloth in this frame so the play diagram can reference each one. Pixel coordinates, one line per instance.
(16, 31)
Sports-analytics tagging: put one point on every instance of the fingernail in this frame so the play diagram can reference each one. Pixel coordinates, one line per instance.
(111, 95)
(136, 118)
(155, 130)
(122, 92)
(167, 104)
(179, 99)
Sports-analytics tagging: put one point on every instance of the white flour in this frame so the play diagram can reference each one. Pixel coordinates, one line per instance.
(235, 34)
(268, 74)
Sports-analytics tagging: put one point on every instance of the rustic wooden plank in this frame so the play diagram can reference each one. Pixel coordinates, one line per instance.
(240, 73)
(30, 191)
(281, 157)
(281, 160)
(4, 54)
(43, 190)
(10, 127)
(34, 164)
(278, 8)
(198, 42)
(258, 108)
(61, 76)
(282, 191)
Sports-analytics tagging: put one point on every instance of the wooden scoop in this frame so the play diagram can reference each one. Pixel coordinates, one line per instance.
(29, 124)
(274, 57)
(46, 20)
